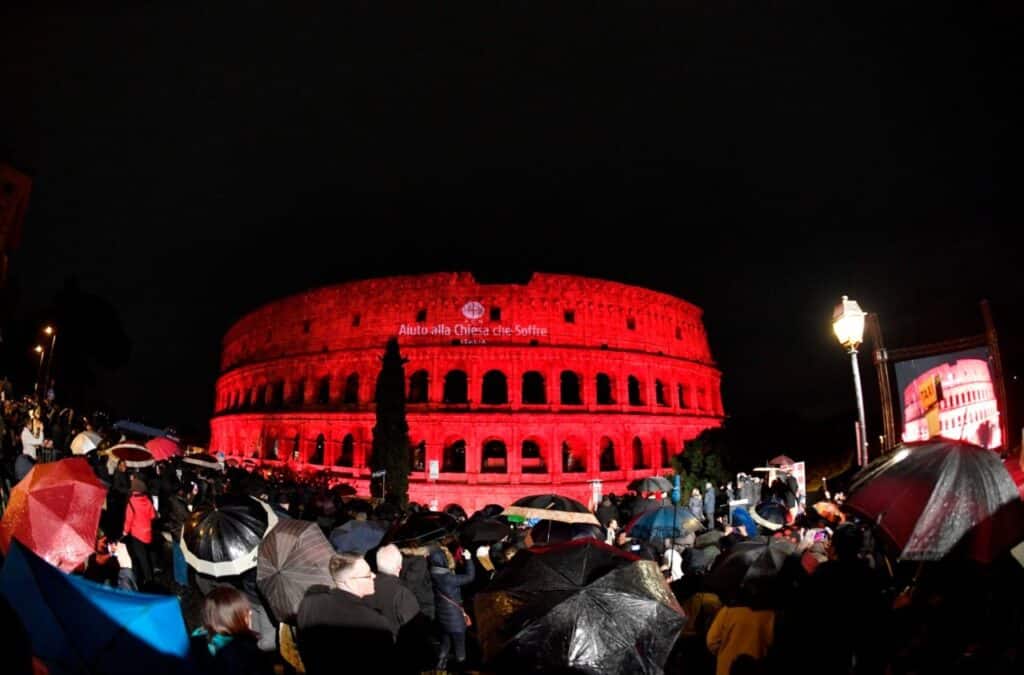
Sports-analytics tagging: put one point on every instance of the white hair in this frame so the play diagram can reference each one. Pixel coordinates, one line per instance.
(389, 560)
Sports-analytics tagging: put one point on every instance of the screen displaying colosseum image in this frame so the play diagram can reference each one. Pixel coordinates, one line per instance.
(949, 395)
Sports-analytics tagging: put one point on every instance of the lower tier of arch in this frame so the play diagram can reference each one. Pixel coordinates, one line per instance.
(478, 458)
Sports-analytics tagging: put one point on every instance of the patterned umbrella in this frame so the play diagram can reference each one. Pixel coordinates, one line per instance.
(55, 511)
(222, 539)
(135, 456)
(163, 448)
(291, 558)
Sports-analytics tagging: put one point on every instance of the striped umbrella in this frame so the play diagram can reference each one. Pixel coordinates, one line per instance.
(292, 557)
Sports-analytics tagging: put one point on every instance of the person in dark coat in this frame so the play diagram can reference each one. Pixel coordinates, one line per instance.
(451, 616)
(225, 643)
(338, 631)
(413, 631)
(607, 511)
(22, 465)
(416, 575)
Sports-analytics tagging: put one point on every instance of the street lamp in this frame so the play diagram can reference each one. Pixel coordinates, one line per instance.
(38, 349)
(848, 324)
(52, 332)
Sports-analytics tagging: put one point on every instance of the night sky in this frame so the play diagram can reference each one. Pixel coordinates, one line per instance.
(192, 163)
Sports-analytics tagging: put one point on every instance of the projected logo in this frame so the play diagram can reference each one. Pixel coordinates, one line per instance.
(472, 310)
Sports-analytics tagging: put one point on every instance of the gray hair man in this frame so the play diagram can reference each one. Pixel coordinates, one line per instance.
(392, 597)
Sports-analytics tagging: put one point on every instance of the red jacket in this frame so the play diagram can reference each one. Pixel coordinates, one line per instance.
(138, 518)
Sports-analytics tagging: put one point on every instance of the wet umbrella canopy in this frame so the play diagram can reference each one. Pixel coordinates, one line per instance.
(78, 626)
(581, 607)
(357, 536)
(748, 574)
(557, 532)
(291, 558)
(479, 530)
(926, 497)
(55, 511)
(222, 540)
(651, 484)
(135, 456)
(85, 442)
(662, 522)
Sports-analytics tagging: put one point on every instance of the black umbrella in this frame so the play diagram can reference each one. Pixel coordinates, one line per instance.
(557, 532)
(770, 515)
(456, 511)
(582, 607)
(222, 539)
(749, 573)
(551, 507)
(292, 557)
(420, 528)
(483, 531)
(490, 511)
(651, 484)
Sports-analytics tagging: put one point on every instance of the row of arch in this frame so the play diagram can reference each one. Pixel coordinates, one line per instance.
(494, 390)
(534, 456)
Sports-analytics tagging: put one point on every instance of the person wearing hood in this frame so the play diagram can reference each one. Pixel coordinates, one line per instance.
(451, 616)
(138, 530)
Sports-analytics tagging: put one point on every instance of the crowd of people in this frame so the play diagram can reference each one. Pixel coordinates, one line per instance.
(838, 604)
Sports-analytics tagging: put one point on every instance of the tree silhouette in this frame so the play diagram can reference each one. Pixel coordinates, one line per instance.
(390, 450)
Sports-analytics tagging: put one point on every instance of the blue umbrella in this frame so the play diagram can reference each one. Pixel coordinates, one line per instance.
(676, 489)
(740, 516)
(662, 522)
(81, 626)
(356, 535)
(138, 428)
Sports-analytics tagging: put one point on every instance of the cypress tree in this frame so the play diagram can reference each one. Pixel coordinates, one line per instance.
(390, 450)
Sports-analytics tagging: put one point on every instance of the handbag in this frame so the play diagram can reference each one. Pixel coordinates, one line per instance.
(465, 616)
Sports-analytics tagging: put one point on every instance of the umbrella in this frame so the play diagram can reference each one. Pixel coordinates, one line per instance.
(551, 507)
(291, 558)
(651, 484)
(55, 511)
(740, 516)
(85, 442)
(163, 448)
(781, 460)
(203, 460)
(769, 515)
(222, 539)
(79, 626)
(489, 511)
(135, 456)
(556, 532)
(455, 511)
(926, 497)
(421, 528)
(748, 573)
(357, 536)
(137, 428)
(581, 606)
(343, 490)
(663, 522)
(480, 530)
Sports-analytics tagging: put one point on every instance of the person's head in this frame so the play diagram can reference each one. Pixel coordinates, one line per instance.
(707, 486)
(226, 612)
(389, 560)
(352, 574)
(695, 493)
(138, 485)
(847, 542)
(621, 537)
(122, 465)
(613, 524)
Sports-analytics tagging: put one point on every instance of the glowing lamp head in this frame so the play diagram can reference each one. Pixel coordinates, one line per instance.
(38, 349)
(848, 323)
(48, 330)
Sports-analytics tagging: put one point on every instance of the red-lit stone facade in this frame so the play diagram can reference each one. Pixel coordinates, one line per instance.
(512, 389)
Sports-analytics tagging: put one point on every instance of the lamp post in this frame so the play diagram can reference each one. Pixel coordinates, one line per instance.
(52, 332)
(38, 349)
(848, 324)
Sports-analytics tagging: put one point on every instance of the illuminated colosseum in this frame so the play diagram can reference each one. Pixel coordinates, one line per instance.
(513, 389)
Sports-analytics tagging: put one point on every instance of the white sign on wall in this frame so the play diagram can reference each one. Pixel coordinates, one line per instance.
(435, 469)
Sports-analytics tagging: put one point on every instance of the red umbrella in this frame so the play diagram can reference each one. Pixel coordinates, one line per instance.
(931, 498)
(55, 511)
(163, 448)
